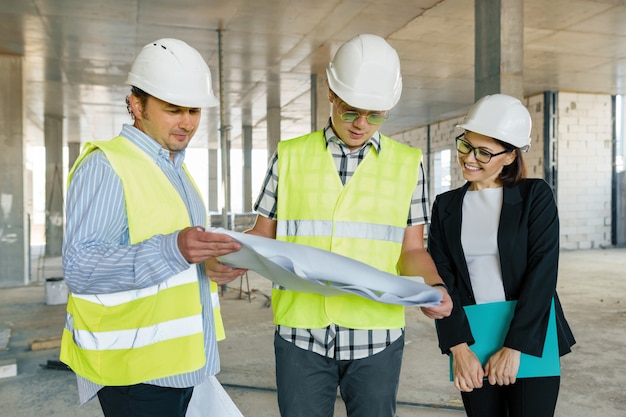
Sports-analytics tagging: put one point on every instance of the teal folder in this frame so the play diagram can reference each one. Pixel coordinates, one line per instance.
(490, 323)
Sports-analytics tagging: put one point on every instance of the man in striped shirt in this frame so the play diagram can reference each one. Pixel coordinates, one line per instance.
(141, 331)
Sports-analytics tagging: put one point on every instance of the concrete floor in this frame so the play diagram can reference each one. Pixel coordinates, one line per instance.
(592, 286)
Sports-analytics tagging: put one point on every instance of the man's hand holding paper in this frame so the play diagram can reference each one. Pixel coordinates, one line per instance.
(307, 269)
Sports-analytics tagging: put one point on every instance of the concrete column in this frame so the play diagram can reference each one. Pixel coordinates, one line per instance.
(246, 155)
(273, 129)
(499, 47)
(618, 192)
(73, 149)
(550, 142)
(213, 194)
(14, 226)
(225, 145)
(322, 105)
(246, 177)
(314, 99)
(53, 138)
(211, 119)
(73, 140)
(273, 112)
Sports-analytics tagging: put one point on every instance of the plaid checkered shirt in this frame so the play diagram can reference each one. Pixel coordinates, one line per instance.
(336, 341)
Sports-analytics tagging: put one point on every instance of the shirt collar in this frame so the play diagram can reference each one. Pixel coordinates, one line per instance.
(149, 145)
(329, 135)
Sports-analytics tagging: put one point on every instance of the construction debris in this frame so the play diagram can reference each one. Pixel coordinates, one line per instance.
(8, 368)
(45, 343)
(56, 365)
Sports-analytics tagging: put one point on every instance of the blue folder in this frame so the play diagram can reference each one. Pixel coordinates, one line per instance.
(490, 323)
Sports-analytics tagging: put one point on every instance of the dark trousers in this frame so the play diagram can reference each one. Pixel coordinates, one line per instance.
(143, 400)
(307, 382)
(528, 397)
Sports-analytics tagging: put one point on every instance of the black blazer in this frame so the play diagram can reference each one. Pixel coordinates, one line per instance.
(528, 242)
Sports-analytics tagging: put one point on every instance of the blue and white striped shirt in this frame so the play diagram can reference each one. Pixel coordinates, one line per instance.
(98, 257)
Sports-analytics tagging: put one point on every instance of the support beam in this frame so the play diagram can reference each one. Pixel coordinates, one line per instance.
(273, 112)
(550, 116)
(618, 180)
(224, 138)
(321, 112)
(14, 225)
(213, 193)
(499, 47)
(246, 177)
(53, 138)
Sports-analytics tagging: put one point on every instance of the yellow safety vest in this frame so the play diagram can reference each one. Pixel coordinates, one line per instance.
(156, 331)
(364, 220)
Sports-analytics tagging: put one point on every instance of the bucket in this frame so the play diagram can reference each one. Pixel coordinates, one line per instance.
(56, 291)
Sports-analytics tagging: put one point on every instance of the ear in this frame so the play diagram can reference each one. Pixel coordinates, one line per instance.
(510, 158)
(135, 106)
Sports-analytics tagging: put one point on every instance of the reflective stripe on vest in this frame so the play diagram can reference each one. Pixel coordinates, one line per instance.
(188, 276)
(138, 327)
(340, 229)
(138, 338)
(220, 333)
(364, 220)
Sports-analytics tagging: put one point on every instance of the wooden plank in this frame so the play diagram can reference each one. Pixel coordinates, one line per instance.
(45, 343)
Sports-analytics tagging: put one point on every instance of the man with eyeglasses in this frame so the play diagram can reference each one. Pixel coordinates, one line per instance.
(353, 191)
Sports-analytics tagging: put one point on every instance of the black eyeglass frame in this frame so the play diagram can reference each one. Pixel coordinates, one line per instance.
(477, 151)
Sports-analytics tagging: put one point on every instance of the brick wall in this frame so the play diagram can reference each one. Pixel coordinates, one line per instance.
(584, 169)
(442, 136)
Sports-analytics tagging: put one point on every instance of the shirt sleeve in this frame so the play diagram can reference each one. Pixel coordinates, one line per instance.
(419, 211)
(97, 255)
(266, 202)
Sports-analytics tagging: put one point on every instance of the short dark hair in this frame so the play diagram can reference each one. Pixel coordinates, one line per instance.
(514, 172)
(141, 95)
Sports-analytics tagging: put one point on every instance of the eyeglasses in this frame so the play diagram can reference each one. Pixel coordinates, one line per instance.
(372, 118)
(352, 115)
(480, 154)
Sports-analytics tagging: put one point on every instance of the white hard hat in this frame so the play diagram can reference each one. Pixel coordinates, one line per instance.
(173, 71)
(365, 73)
(501, 117)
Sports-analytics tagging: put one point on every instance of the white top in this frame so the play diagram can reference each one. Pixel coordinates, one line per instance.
(479, 237)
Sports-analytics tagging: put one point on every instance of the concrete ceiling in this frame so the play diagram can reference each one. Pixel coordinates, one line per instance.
(76, 54)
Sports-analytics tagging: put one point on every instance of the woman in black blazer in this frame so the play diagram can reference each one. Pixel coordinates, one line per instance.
(496, 239)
